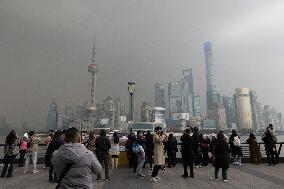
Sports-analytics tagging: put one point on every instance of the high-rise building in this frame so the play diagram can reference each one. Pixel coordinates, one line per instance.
(52, 117)
(184, 97)
(197, 107)
(230, 111)
(92, 69)
(215, 107)
(188, 78)
(109, 108)
(174, 96)
(256, 117)
(243, 108)
(159, 95)
(280, 121)
(261, 116)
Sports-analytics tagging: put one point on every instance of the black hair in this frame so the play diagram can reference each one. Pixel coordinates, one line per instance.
(10, 139)
(157, 128)
(71, 134)
(58, 134)
(115, 138)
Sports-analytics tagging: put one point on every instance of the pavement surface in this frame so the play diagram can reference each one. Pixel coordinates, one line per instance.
(239, 177)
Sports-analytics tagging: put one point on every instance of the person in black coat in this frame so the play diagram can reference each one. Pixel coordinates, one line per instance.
(55, 143)
(196, 148)
(222, 157)
(236, 150)
(204, 147)
(269, 144)
(171, 148)
(102, 146)
(149, 152)
(187, 152)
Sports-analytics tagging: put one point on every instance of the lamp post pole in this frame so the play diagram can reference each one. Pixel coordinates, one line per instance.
(131, 90)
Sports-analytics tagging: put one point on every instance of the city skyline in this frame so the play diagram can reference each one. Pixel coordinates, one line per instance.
(37, 46)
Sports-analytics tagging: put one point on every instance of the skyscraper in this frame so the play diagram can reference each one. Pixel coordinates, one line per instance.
(174, 96)
(243, 108)
(52, 117)
(159, 95)
(256, 117)
(188, 77)
(230, 111)
(197, 109)
(92, 69)
(215, 107)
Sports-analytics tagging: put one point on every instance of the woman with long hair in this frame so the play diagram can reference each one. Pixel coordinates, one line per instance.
(91, 142)
(11, 150)
(114, 150)
(222, 157)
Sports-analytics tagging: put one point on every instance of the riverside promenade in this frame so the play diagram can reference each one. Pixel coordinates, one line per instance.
(244, 177)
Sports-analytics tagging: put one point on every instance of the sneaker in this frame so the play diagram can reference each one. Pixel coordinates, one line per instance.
(154, 179)
(235, 163)
(106, 180)
(44, 167)
(213, 178)
(35, 171)
(98, 180)
(158, 178)
(225, 181)
(240, 164)
(199, 166)
(140, 175)
(25, 172)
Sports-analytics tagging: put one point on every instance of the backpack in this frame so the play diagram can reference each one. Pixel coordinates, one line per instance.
(136, 148)
(237, 141)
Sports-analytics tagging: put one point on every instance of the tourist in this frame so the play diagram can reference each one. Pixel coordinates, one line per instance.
(204, 148)
(212, 145)
(56, 142)
(272, 131)
(11, 150)
(270, 147)
(128, 148)
(138, 149)
(171, 148)
(196, 147)
(114, 150)
(74, 164)
(159, 158)
(255, 155)
(149, 148)
(222, 157)
(32, 151)
(236, 149)
(23, 145)
(102, 152)
(134, 157)
(91, 142)
(187, 152)
(47, 141)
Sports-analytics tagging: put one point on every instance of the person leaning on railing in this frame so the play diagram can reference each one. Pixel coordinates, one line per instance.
(255, 154)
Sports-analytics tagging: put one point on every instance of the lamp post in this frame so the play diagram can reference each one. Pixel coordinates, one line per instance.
(131, 90)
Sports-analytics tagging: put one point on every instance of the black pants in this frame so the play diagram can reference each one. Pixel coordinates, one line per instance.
(52, 175)
(149, 159)
(198, 158)
(205, 158)
(186, 161)
(104, 161)
(171, 159)
(22, 158)
(134, 162)
(156, 170)
(8, 160)
(270, 156)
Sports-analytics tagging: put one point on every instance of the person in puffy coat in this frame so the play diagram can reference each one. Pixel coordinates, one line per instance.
(81, 161)
(187, 152)
(255, 154)
(171, 148)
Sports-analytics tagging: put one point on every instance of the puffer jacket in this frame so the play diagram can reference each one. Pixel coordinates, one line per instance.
(84, 164)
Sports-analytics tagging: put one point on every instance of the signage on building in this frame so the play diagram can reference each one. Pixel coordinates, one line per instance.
(180, 116)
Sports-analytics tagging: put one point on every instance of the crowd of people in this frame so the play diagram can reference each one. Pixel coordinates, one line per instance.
(72, 162)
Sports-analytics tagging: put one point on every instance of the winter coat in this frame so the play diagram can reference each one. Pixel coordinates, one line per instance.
(114, 150)
(83, 161)
(53, 145)
(159, 158)
(235, 150)
(149, 145)
(269, 142)
(91, 145)
(33, 144)
(195, 144)
(171, 145)
(222, 155)
(102, 147)
(254, 149)
(187, 150)
(23, 144)
(11, 150)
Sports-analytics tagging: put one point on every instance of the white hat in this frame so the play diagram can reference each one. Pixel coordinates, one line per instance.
(26, 135)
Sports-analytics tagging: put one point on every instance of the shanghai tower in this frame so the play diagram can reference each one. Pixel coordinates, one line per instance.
(215, 107)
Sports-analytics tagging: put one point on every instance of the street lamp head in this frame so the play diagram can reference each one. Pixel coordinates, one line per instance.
(131, 87)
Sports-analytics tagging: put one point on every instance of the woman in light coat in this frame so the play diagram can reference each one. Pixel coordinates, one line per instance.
(114, 150)
(159, 158)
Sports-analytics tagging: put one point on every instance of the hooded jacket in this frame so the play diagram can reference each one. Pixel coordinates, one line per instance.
(102, 145)
(83, 161)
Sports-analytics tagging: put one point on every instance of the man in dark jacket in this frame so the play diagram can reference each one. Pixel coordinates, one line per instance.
(197, 154)
(171, 148)
(269, 147)
(149, 148)
(102, 151)
(187, 152)
(56, 142)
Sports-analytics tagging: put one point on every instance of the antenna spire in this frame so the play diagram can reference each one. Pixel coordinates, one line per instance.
(94, 50)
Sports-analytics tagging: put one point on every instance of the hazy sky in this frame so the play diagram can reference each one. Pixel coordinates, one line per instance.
(45, 48)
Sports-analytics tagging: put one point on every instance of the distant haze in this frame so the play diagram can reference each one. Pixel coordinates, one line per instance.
(45, 48)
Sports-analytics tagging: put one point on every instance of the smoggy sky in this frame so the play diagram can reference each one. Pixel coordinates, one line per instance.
(45, 48)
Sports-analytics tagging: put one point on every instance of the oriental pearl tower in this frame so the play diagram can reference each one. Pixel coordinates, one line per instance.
(92, 69)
